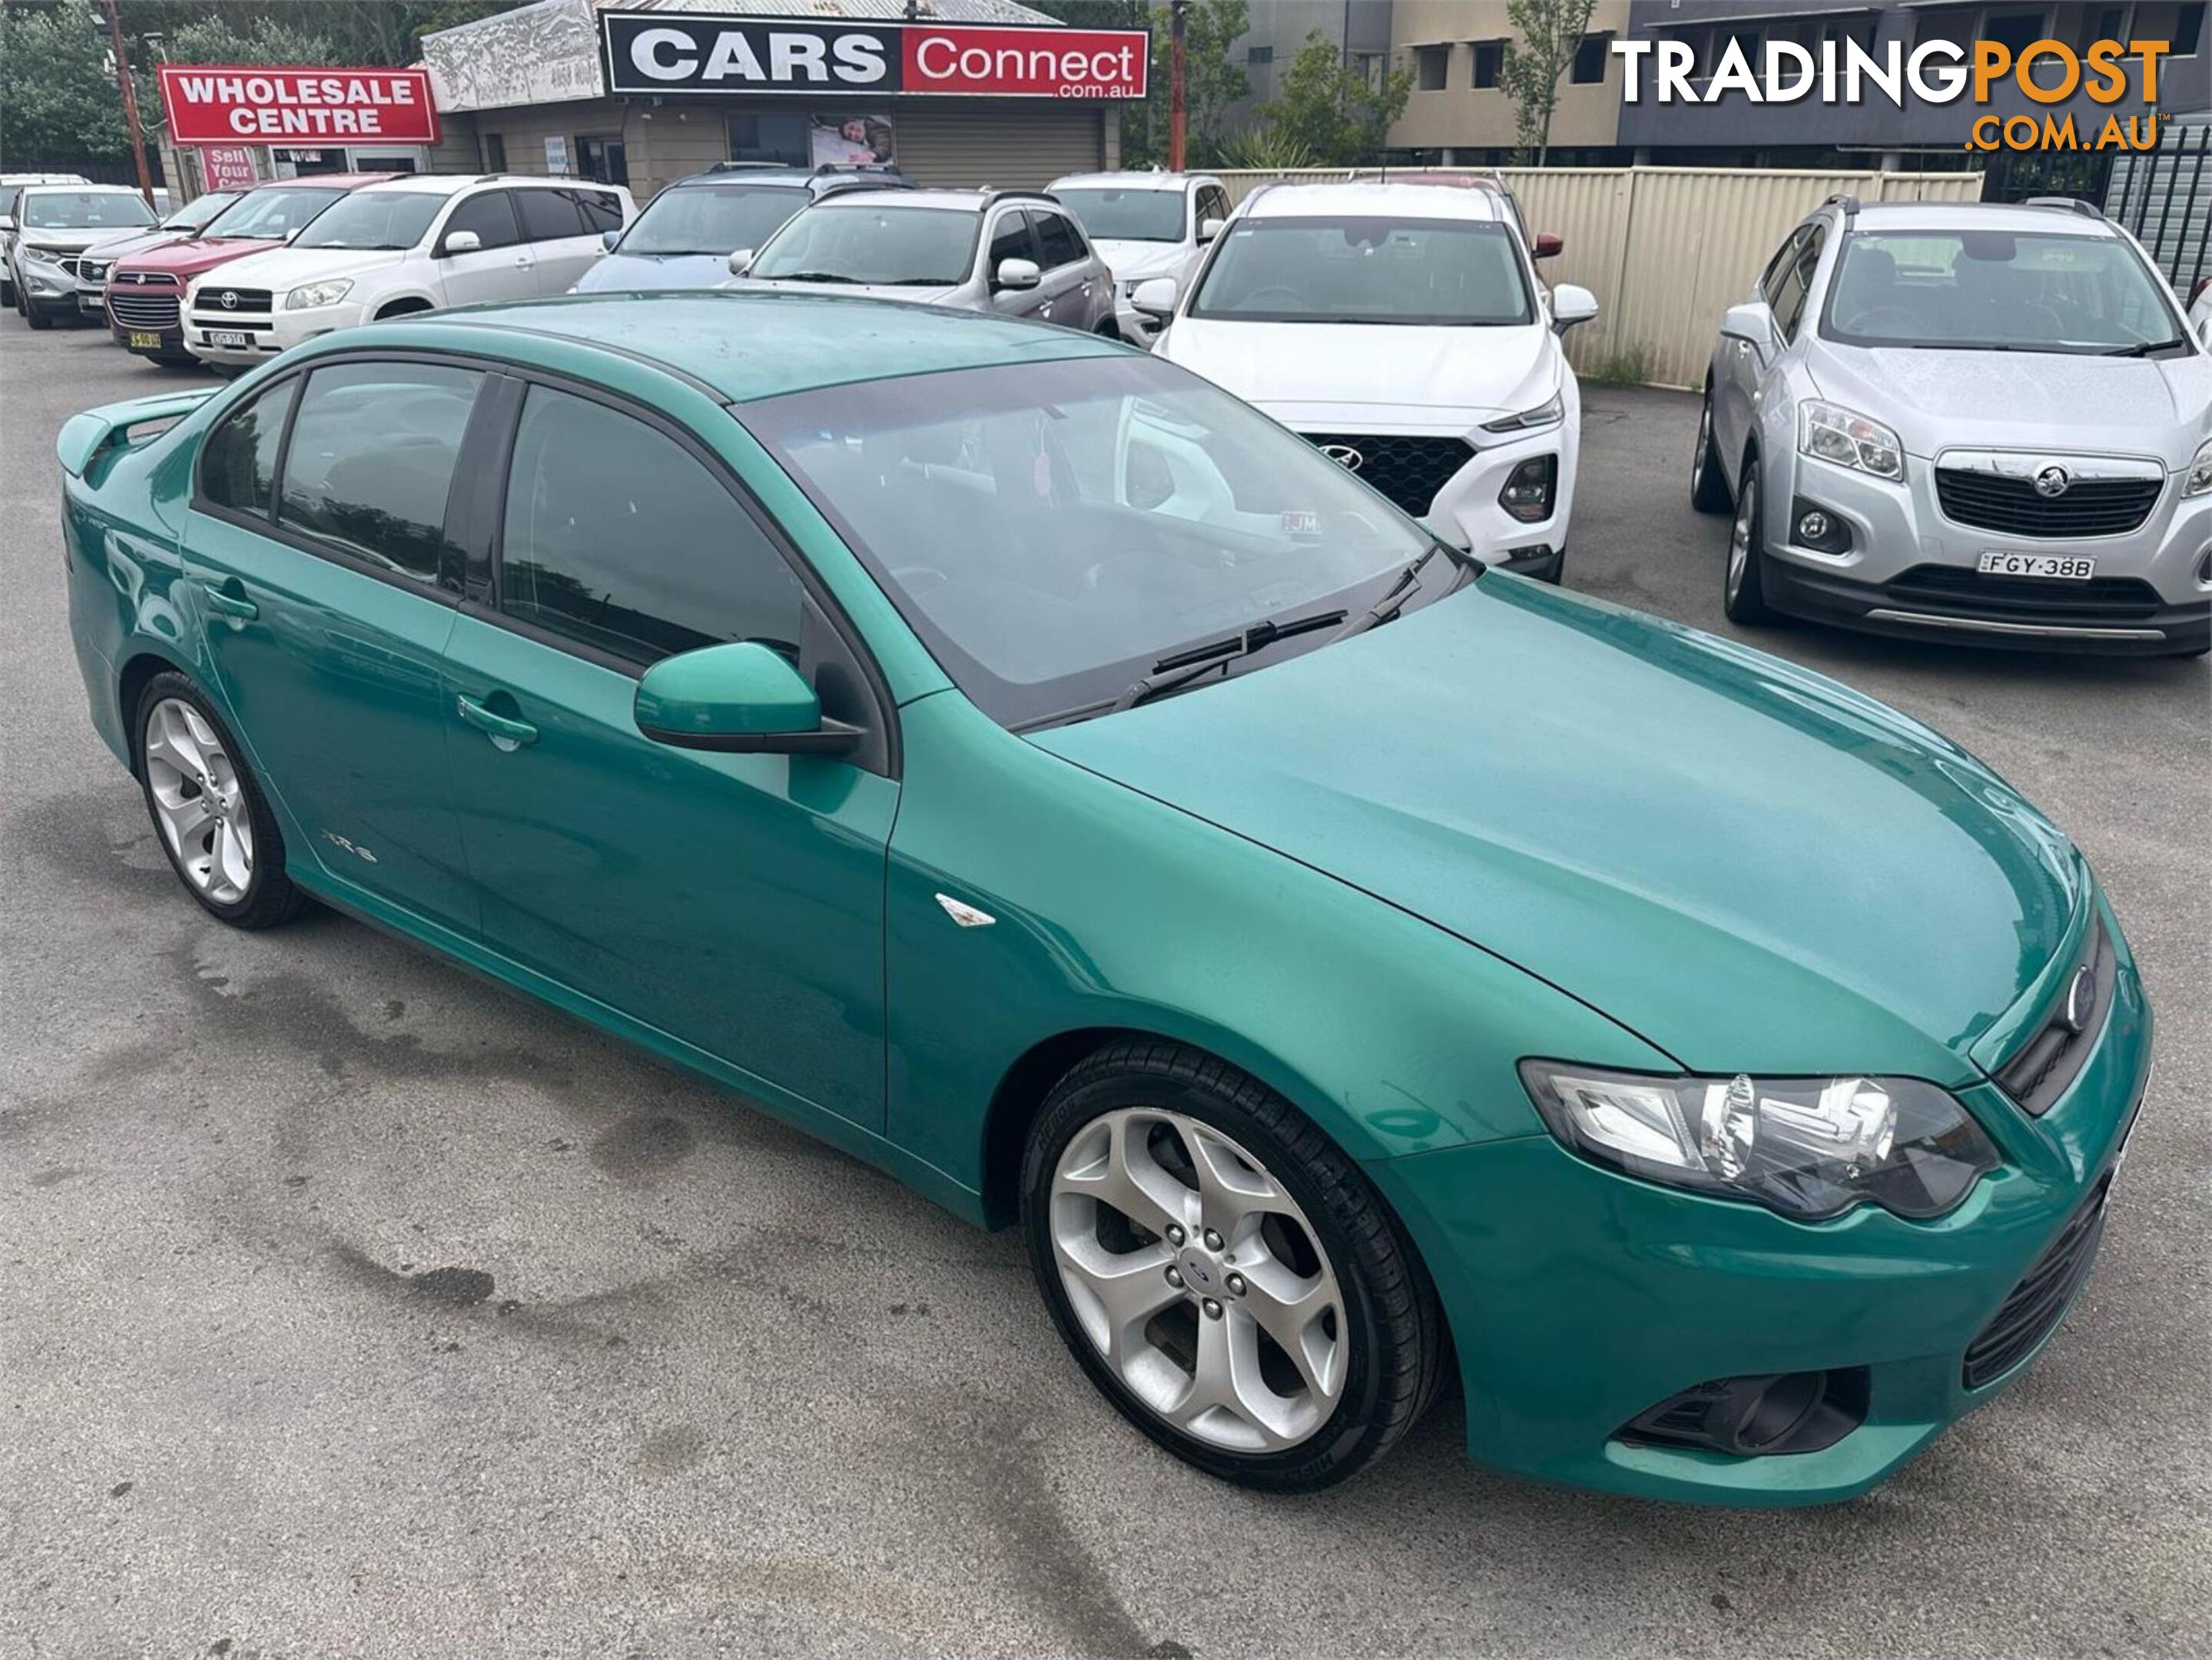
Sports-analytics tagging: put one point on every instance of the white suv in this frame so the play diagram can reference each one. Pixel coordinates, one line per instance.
(1402, 330)
(412, 244)
(1146, 225)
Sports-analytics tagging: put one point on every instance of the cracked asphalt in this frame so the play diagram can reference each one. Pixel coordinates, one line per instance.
(350, 1305)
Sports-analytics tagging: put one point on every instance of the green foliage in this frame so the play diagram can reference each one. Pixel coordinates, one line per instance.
(1629, 366)
(1330, 111)
(1266, 150)
(214, 40)
(1529, 75)
(58, 95)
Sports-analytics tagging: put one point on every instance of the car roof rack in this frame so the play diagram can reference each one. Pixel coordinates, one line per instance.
(1844, 200)
(2069, 204)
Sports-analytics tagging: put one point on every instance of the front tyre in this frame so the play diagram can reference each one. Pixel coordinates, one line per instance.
(209, 814)
(1225, 1276)
(1709, 491)
(1743, 594)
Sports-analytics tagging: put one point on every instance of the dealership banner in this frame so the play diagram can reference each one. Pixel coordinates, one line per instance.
(229, 166)
(662, 52)
(230, 104)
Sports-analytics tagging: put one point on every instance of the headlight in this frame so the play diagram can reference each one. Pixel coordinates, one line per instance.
(1849, 440)
(1806, 1147)
(2198, 479)
(318, 294)
(1549, 413)
(46, 257)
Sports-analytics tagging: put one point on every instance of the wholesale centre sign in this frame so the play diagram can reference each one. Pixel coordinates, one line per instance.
(229, 103)
(661, 52)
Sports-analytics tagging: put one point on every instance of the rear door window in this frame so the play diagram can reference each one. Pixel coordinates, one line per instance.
(1057, 236)
(549, 215)
(601, 209)
(237, 463)
(1011, 239)
(371, 461)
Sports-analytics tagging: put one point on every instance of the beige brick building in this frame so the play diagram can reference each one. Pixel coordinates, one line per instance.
(1458, 112)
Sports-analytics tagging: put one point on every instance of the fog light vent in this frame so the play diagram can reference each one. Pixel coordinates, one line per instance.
(1814, 527)
(1759, 1414)
(1527, 492)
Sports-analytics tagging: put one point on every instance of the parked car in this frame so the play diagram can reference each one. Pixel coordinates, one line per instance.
(1016, 760)
(1965, 421)
(11, 186)
(1402, 330)
(412, 243)
(1016, 252)
(684, 238)
(2200, 310)
(54, 224)
(142, 298)
(97, 260)
(1144, 225)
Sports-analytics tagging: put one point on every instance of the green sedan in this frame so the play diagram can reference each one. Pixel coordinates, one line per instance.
(1019, 763)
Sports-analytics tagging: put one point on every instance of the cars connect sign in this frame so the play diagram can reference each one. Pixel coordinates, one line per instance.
(234, 104)
(661, 52)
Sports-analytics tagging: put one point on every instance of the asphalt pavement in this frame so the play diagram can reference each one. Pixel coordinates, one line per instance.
(350, 1305)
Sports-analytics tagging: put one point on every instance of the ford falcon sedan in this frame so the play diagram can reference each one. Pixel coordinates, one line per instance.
(1011, 758)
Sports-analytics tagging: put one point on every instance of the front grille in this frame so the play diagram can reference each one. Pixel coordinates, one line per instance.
(142, 310)
(249, 308)
(2090, 506)
(1408, 469)
(1956, 591)
(2039, 1300)
(91, 271)
(2047, 1064)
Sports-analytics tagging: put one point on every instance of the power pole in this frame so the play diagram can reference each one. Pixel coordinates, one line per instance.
(1178, 11)
(130, 105)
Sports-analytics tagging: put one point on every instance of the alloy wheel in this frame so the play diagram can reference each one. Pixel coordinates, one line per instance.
(1200, 1279)
(1740, 533)
(199, 802)
(1705, 444)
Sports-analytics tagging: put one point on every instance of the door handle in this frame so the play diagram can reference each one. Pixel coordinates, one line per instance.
(498, 726)
(236, 605)
(522, 261)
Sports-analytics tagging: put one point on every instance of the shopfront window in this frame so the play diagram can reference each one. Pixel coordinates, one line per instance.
(781, 138)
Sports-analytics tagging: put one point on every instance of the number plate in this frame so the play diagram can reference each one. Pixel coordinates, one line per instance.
(2059, 567)
(238, 342)
(150, 342)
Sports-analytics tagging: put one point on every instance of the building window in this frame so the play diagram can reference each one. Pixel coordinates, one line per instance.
(2182, 27)
(1368, 66)
(1431, 67)
(2015, 30)
(1590, 53)
(779, 138)
(1259, 54)
(1746, 41)
(1489, 59)
(494, 152)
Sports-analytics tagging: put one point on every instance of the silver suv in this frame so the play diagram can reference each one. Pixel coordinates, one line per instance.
(1967, 422)
(1015, 252)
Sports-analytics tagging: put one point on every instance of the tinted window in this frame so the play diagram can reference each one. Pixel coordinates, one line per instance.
(1789, 302)
(549, 215)
(602, 209)
(237, 466)
(490, 215)
(371, 460)
(617, 537)
(1213, 204)
(1011, 239)
(1778, 268)
(1061, 242)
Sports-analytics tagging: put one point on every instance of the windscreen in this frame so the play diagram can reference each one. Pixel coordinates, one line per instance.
(58, 209)
(1419, 271)
(272, 214)
(1052, 530)
(372, 219)
(1994, 290)
(201, 211)
(716, 219)
(1125, 215)
(898, 247)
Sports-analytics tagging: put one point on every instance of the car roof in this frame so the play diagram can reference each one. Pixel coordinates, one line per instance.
(1980, 216)
(1369, 199)
(748, 344)
(1135, 179)
(965, 200)
(325, 181)
(79, 187)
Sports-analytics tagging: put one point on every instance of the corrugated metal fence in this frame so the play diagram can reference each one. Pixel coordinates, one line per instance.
(2165, 199)
(1666, 250)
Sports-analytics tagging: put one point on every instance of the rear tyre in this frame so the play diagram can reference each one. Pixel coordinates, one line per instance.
(1709, 491)
(1743, 589)
(209, 814)
(1227, 1277)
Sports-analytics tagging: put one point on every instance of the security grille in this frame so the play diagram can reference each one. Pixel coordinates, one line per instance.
(1408, 468)
(143, 311)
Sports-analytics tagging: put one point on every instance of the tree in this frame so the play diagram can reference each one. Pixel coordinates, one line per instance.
(1213, 78)
(58, 96)
(1331, 110)
(1550, 31)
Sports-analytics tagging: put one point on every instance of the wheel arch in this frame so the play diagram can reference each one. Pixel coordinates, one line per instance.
(130, 681)
(1019, 1096)
(404, 305)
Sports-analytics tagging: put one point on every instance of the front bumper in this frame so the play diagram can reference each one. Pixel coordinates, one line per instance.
(266, 335)
(1577, 1298)
(1911, 570)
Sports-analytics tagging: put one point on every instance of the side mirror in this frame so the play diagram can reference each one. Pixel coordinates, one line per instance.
(743, 699)
(608, 239)
(741, 262)
(1571, 305)
(459, 242)
(1210, 228)
(291, 234)
(1155, 297)
(1017, 274)
(1550, 244)
(1752, 320)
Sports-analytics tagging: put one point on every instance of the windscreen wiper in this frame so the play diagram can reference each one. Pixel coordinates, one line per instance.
(1180, 668)
(1409, 581)
(812, 276)
(2142, 348)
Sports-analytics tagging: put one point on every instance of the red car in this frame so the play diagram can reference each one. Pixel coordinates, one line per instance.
(144, 289)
